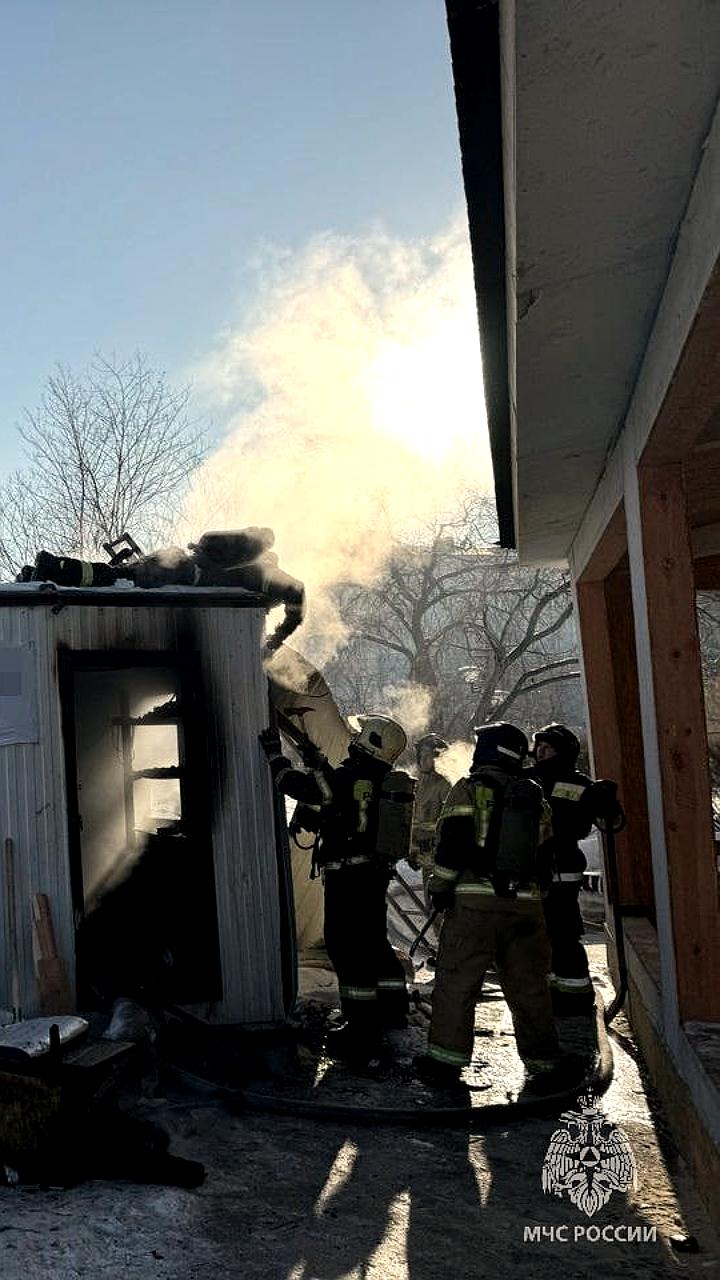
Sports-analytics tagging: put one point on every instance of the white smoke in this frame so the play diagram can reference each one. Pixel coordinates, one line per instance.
(358, 410)
(411, 705)
(454, 763)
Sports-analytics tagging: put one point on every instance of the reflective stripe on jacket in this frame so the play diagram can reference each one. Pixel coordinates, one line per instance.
(569, 794)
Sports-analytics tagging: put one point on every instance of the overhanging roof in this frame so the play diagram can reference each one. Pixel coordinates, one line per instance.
(473, 29)
(605, 110)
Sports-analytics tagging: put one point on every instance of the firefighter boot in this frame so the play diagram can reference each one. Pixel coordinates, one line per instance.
(572, 1004)
(565, 1074)
(433, 1072)
(353, 1044)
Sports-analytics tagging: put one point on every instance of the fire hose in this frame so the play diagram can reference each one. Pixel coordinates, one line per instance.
(455, 1115)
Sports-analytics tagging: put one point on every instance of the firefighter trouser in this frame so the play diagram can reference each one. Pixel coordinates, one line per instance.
(373, 995)
(511, 934)
(569, 974)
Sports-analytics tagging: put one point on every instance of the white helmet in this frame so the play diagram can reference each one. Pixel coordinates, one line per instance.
(380, 737)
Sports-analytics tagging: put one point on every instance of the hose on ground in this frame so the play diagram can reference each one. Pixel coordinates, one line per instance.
(475, 1119)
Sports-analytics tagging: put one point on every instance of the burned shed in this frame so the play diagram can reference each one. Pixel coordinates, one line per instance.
(133, 794)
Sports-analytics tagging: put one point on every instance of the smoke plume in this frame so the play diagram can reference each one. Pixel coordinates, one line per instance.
(454, 763)
(357, 412)
(411, 704)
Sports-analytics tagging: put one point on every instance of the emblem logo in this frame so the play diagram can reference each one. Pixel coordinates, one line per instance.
(588, 1158)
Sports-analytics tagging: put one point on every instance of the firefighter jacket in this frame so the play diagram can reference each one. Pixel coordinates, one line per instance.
(570, 796)
(346, 801)
(430, 796)
(466, 831)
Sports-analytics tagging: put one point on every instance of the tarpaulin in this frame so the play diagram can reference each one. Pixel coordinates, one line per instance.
(299, 692)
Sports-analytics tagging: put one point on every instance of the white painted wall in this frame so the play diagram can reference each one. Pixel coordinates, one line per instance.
(608, 129)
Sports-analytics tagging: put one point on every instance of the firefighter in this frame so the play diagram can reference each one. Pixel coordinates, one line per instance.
(572, 799)
(430, 796)
(486, 878)
(346, 800)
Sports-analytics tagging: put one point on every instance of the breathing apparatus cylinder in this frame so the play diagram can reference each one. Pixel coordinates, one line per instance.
(395, 815)
(519, 834)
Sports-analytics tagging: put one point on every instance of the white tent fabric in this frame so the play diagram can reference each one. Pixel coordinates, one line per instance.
(299, 692)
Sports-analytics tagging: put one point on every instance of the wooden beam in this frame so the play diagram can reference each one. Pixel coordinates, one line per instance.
(682, 740)
(606, 628)
(706, 540)
(634, 857)
(707, 573)
(702, 485)
(610, 549)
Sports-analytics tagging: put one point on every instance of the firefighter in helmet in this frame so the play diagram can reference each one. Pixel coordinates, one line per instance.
(487, 880)
(346, 801)
(571, 796)
(430, 796)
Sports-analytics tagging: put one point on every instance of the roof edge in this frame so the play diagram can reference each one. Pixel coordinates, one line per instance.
(474, 31)
(30, 594)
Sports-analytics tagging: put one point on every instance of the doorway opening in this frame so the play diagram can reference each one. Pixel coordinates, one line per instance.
(140, 834)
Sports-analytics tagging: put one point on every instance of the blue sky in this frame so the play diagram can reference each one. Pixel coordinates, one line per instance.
(150, 149)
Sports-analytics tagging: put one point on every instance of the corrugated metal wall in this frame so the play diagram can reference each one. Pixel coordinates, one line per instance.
(33, 810)
(243, 835)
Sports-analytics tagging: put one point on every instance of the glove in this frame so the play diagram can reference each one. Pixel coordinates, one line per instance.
(312, 756)
(604, 797)
(442, 899)
(269, 740)
(606, 804)
(304, 819)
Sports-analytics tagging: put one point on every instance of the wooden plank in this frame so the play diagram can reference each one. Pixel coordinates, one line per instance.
(682, 740)
(609, 550)
(707, 573)
(55, 993)
(634, 854)
(706, 540)
(613, 705)
(702, 485)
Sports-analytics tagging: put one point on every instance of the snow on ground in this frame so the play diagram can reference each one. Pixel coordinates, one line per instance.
(302, 1199)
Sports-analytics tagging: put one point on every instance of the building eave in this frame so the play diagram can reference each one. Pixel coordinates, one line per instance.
(475, 51)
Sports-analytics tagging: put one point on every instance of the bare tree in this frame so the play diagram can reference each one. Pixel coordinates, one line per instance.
(107, 451)
(459, 617)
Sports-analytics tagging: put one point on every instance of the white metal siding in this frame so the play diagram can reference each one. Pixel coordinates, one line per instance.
(245, 858)
(33, 809)
(33, 812)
